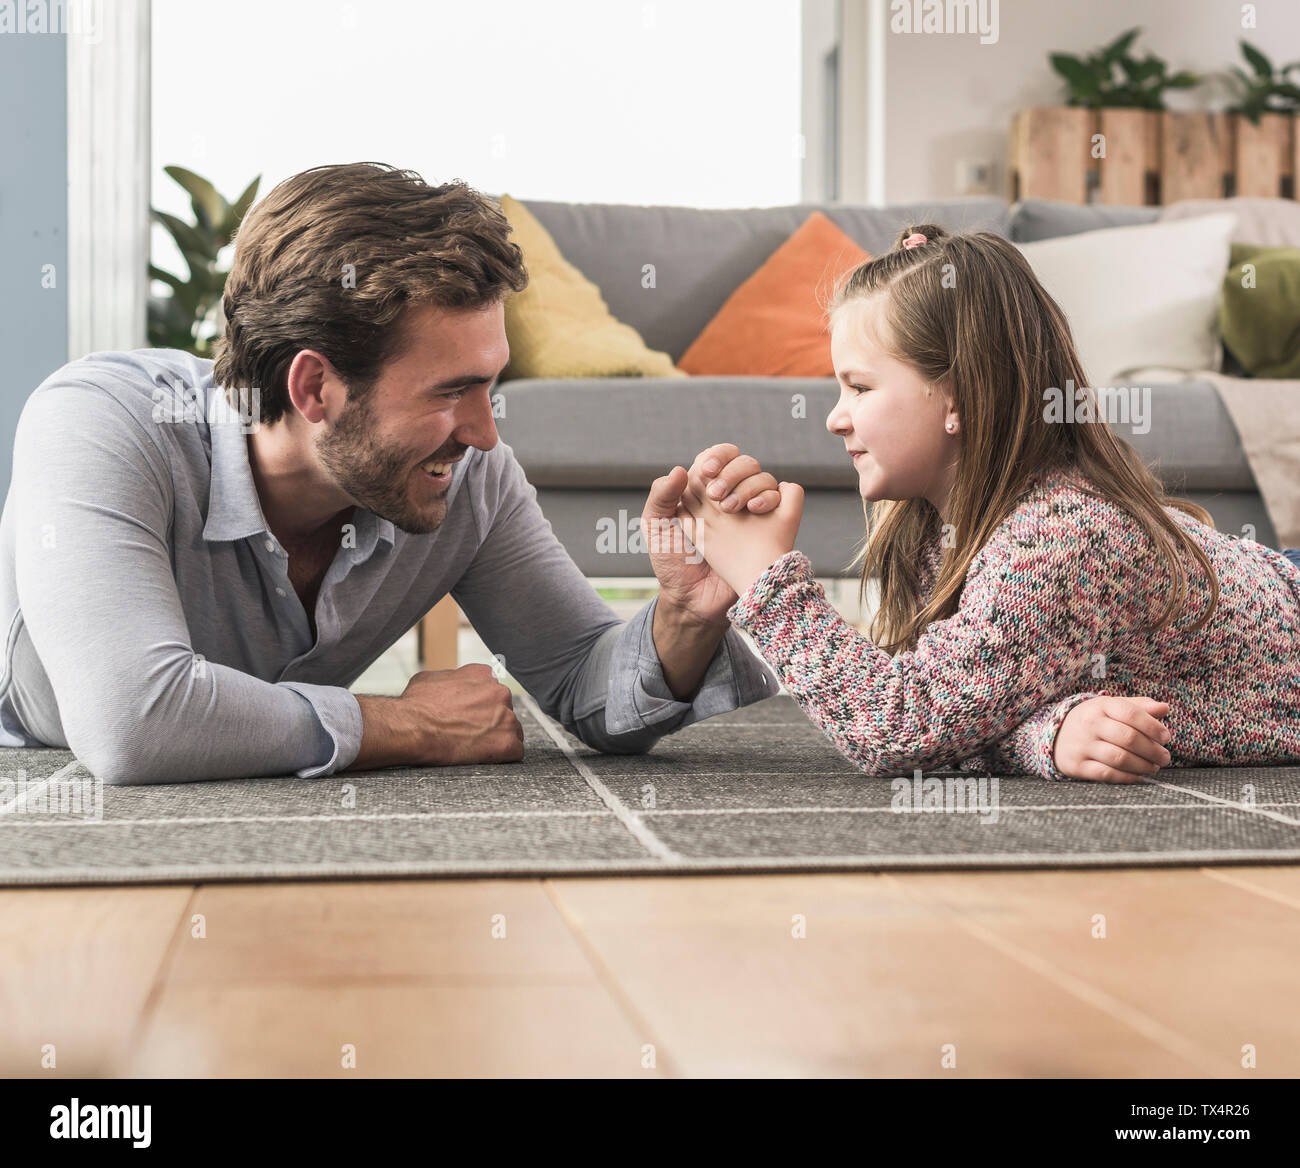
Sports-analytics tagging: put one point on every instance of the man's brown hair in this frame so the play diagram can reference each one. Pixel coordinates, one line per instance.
(331, 258)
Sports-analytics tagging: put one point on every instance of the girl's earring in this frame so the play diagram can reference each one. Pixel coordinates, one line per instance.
(950, 426)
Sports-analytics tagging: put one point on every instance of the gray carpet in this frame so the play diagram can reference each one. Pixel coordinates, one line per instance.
(759, 789)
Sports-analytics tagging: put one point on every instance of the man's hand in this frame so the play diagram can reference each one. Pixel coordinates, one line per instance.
(445, 717)
(1113, 740)
(739, 547)
(686, 582)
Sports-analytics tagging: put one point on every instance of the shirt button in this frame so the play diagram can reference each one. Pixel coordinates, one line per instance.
(279, 592)
(270, 545)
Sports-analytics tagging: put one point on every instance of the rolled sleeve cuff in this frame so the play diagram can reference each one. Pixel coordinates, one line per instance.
(1051, 727)
(639, 697)
(339, 715)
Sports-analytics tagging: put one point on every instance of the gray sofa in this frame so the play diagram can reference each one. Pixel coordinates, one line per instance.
(592, 447)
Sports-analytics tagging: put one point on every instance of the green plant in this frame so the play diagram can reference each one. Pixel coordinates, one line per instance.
(188, 317)
(1266, 91)
(1112, 77)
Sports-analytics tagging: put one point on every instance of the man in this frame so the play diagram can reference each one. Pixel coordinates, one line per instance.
(186, 597)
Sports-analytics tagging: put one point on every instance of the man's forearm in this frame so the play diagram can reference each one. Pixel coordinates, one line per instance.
(685, 646)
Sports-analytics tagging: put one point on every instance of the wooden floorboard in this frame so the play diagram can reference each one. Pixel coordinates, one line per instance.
(661, 976)
(392, 1031)
(384, 978)
(1203, 965)
(77, 968)
(885, 983)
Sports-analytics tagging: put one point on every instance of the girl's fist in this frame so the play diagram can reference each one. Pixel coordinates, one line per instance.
(1113, 740)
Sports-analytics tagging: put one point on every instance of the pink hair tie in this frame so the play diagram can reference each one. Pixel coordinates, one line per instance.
(915, 240)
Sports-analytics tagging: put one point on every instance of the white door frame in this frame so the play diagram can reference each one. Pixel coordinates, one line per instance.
(844, 123)
(108, 177)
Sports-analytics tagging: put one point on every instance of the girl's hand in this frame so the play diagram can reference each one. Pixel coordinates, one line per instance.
(687, 582)
(1113, 740)
(738, 544)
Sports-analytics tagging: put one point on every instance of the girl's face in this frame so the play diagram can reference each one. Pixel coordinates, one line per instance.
(887, 410)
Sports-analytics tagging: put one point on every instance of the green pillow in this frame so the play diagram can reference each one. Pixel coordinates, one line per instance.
(1261, 324)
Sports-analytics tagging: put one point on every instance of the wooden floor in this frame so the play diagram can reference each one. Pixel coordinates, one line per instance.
(661, 976)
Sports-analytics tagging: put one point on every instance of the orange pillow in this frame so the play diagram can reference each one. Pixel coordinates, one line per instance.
(772, 325)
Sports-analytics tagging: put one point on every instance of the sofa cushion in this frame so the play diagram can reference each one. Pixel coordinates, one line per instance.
(1261, 320)
(1035, 219)
(774, 324)
(611, 432)
(1266, 222)
(559, 326)
(1140, 296)
(667, 270)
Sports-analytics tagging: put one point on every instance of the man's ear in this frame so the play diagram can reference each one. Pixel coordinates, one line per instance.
(308, 377)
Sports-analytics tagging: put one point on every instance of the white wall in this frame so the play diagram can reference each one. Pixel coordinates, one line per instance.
(949, 98)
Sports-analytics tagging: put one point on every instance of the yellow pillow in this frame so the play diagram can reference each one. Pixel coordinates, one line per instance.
(560, 326)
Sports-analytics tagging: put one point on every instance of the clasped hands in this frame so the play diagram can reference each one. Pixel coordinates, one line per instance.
(735, 514)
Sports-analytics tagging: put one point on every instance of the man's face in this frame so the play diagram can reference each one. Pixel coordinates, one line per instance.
(429, 406)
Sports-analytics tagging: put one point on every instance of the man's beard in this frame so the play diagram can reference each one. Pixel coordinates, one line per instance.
(377, 477)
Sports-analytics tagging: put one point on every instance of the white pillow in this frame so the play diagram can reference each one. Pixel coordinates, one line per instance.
(1265, 222)
(1138, 297)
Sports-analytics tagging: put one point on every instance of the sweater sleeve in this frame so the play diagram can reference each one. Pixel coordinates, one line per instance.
(1019, 645)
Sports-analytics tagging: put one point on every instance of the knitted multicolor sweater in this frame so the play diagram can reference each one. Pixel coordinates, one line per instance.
(1051, 611)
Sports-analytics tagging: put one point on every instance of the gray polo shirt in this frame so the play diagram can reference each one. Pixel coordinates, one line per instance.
(152, 628)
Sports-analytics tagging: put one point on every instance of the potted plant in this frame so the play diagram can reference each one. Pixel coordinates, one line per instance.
(1103, 144)
(1112, 78)
(1267, 102)
(189, 316)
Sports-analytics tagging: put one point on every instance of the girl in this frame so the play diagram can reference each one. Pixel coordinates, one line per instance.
(1031, 569)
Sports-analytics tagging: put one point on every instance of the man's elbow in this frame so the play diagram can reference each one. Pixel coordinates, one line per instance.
(593, 732)
(116, 768)
(116, 762)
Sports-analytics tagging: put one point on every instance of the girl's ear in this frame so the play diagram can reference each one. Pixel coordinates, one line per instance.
(951, 422)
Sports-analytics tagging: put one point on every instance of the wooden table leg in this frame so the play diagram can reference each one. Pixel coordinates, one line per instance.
(436, 635)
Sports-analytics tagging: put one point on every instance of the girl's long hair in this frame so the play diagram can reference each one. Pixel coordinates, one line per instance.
(969, 308)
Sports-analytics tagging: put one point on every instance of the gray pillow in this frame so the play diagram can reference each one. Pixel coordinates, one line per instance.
(1035, 219)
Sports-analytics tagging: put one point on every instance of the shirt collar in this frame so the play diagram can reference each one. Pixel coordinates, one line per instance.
(235, 511)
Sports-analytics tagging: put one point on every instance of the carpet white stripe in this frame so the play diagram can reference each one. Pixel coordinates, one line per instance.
(1254, 808)
(644, 836)
(1001, 809)
(376, 817)
(383, 816)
